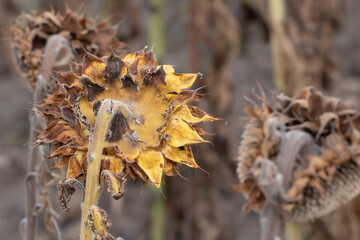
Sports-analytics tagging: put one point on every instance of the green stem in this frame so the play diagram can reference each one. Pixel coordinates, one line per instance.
(92, 190)
(277, 15)
(157, 28)
(293, 231)
(157, 35)
(157, 217)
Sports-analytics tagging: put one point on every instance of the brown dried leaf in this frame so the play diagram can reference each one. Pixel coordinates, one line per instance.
(65, 191)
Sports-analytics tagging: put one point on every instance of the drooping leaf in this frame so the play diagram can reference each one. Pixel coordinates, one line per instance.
(115, 183)
(65, 191)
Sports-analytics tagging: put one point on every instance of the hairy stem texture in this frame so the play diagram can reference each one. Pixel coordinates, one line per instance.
(92, 190)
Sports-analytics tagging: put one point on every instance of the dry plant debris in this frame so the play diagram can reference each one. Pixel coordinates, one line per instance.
(30, 34)
(149, 133)
(301, 155)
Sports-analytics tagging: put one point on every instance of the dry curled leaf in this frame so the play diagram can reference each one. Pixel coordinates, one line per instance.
(99, 223)
(65, 191)
(115, 183)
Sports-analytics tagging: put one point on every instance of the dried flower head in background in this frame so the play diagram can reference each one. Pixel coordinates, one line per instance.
(29, 35)
(149, 133)
(302, 155)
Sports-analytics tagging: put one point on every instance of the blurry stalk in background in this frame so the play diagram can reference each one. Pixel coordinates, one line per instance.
(157, 39)
(277, 17)
(156, 31)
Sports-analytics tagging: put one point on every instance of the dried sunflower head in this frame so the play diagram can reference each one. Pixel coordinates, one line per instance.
(148, 136)
(302, 154)
(30, 33)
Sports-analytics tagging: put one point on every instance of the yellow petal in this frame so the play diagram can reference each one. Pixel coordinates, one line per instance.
(113, 164)
(86, 109)
(180, 154)
(95, 72)
(74, 166)
(192, 114)
(168, 167)
(152, 163)
(167, 68)
(177, 82)
(144, 58)
(140, 63)
(181, 133)
(180, 99)
(129, 149)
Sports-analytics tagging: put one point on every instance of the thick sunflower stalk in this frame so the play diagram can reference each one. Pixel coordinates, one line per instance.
(128, 114)
(299, 160)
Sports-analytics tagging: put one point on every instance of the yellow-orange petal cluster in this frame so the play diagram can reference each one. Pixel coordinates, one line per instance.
(151, 130)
